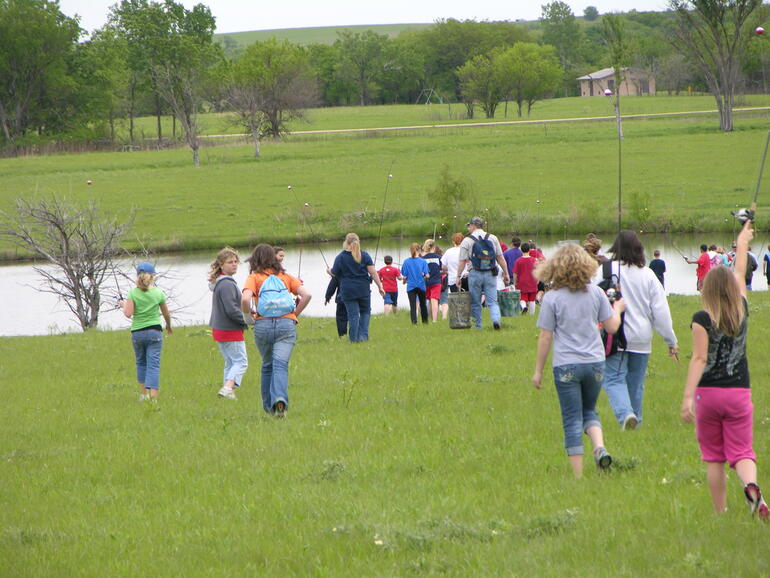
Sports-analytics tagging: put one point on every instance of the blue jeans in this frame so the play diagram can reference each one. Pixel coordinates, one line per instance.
(578, 388)
(147, 346)
(624, 374)
(236, 362)
(275, 338)
(483, 283)
(359, 311)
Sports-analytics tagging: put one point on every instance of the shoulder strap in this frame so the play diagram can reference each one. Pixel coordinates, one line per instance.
(607, 269)
(486, 237)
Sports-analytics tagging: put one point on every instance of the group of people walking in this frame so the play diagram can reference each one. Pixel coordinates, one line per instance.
(622, 297)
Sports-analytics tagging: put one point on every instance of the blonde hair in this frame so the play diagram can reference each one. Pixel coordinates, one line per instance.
(429, 246)
(144, 280)
(353, 244)
(571, 267)
(222, 257)
(414, 249)
(721, 297)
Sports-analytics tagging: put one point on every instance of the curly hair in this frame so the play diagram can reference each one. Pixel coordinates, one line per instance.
(571, 267)
(216, 266)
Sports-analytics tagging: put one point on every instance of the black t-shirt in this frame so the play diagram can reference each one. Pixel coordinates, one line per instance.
(658, 267)
(726, 364)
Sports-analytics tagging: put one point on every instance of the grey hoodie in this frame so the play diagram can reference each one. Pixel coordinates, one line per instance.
(226, 312)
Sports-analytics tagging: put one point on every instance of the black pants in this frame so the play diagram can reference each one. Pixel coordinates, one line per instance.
(342, 319)
(413, 295)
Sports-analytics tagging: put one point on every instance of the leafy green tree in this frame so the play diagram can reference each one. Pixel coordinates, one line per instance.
(480, 82)
(561, 30)
(713, 34)
(36, 40)
(362, 61)
(590, 13)
(269, 85)
(333, 89)
(175, 45)
(529, 72)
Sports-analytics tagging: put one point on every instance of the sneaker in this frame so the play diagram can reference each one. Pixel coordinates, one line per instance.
(756, 502)
(496, 326)
(144, 397)
(603, 459)
(630, 422)
(227, 392)
(524, 309)
(279, 409)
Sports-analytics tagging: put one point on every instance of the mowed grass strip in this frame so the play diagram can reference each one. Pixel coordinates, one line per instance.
(425, 451)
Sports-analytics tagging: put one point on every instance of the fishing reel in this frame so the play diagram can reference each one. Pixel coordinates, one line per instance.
(613, 294)
(743, 215)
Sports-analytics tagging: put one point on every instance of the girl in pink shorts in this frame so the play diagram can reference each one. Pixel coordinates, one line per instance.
(717, 395)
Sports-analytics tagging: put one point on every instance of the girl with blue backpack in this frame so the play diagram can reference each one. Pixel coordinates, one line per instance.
(268, 297)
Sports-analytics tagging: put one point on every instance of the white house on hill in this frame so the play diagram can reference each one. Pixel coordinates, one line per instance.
(635, 82)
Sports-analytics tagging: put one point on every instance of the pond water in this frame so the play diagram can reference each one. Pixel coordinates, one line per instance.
(26, 311)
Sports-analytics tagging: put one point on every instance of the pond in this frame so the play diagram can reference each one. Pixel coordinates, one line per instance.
(26, 311)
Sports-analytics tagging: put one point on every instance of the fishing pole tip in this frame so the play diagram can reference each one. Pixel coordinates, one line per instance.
(307, 204)
(390, 176)
(290, 187)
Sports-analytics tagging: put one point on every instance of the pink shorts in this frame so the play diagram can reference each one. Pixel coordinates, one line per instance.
(723, 424)
(529, 296)
(433, 291)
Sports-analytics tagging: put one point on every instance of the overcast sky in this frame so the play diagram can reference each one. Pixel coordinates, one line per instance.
(243, 15)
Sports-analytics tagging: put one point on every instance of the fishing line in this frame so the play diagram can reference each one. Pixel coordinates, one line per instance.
(382, 210)
(312, 231)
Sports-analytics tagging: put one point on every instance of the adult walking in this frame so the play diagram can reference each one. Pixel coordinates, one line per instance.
(646, 309)
(354, 268)
(483, 251)
(275, 322)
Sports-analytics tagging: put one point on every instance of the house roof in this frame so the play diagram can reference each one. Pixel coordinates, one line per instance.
(605, 72)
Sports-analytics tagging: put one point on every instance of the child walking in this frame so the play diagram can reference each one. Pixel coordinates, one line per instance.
(569, 317)
(414, 272)
(227, 323)
(717, 394)
(389, 275)
(144, 305)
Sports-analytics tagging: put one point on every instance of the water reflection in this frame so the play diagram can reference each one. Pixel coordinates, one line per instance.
(26, 311)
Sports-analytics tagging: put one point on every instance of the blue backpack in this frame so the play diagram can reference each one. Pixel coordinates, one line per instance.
(274, 299)
(483, 253)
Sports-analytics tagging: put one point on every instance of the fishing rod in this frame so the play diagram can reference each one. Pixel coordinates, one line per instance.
(382, 210)
(312, 232)
(117, 285)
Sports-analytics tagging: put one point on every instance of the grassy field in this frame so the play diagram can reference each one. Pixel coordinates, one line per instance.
(353, 117)
(316, 35)
(679, 174)
(423, 452)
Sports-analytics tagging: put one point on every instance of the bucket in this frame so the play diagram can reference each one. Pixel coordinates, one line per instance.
(509, 303)
(459, 310)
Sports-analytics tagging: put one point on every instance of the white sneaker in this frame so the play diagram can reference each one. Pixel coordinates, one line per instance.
(630, 422)
(144, 397)
(227, 392)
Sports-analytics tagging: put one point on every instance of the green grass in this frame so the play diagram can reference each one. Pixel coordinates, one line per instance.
(679, 174)
(317, 35)
(353, 117)
(423, 452)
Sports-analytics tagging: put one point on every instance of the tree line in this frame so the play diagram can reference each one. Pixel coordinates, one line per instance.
(158, 58)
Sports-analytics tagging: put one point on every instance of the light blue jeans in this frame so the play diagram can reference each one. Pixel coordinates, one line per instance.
(359, 312)
(147, 347)
(624, 374)
(483, 283)
(275, 338)
(578, 388)
(236, 361)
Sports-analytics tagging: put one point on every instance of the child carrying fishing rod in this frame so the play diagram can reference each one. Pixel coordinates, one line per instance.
(717, 394)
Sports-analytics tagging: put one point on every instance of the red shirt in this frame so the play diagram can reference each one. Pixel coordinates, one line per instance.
(389, 276)
(522, 269)
(704, 265)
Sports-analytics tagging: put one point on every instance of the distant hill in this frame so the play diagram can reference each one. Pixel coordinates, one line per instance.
(319, 35)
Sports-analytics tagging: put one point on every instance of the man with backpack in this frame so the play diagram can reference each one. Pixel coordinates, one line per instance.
(483, 251)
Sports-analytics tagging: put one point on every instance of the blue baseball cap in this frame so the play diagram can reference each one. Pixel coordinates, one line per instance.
(145, 268)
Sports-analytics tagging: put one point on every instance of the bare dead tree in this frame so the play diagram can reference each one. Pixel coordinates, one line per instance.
(80, 243)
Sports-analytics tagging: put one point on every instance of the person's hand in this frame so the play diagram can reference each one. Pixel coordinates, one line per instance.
(746, 234)
(687, 411)
(382, 292)
(169, 330)
(619, 305)
(537, 378)
(506, 278)
(329, 272)
(673, 351)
